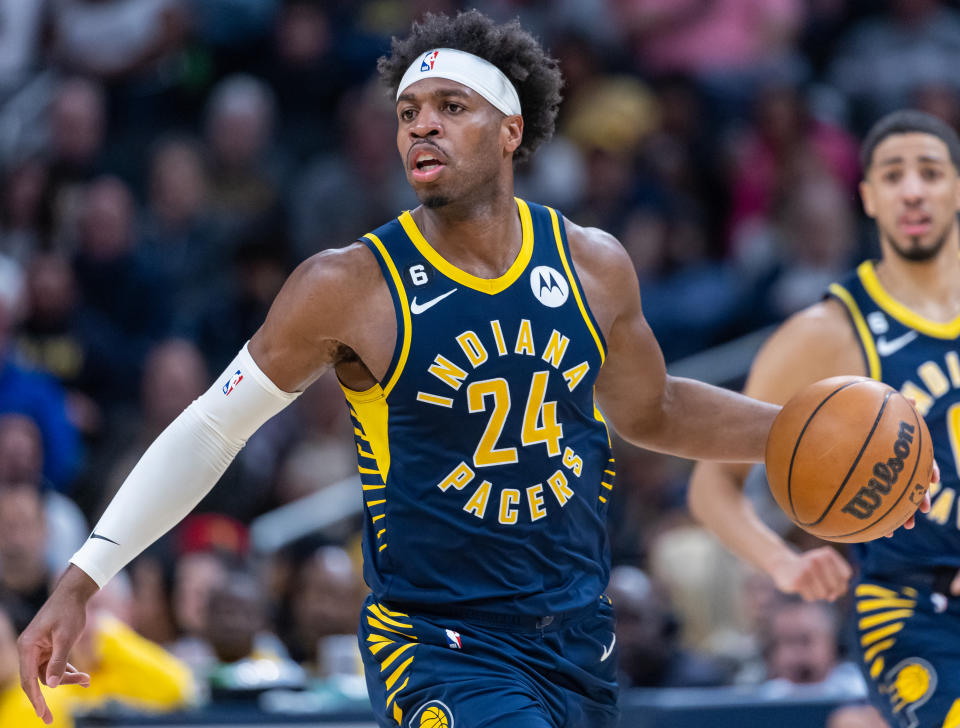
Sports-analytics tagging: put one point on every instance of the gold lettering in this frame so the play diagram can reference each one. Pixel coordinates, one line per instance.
(924, 401)
(458, 477)
(473, 348)
(524, 343)
(509, 497)
(556, 348)
(934, 378)
(558, 484)
(573, 461)
(573, 375)
(498, 335)
(477, 505)
(447, 372)
(535, 500)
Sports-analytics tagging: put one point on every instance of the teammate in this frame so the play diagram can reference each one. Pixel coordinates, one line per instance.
(477, 339)
(897, 320)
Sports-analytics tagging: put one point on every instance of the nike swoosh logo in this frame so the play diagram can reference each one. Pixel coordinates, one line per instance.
(416, 308)
(103, 538)
(886, 348)
(607, 651)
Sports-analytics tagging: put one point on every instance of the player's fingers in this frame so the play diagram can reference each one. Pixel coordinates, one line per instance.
(830, 577)
(30, 679)
(72, 676)
(955, 585)
(935, 478)
(924, 506)
(57, 663)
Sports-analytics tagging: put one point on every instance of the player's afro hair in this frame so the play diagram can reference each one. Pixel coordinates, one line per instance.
(509, 47)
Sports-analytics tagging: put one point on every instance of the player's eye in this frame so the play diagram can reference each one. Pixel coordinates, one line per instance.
(892, 176)
(407, 114)
(930, 174)
(454, 108)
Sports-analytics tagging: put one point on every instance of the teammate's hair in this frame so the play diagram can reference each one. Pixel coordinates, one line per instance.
(534, 74)
(909, 121)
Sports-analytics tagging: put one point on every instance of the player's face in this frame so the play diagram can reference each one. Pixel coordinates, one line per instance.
(912, 191)
(453, 141)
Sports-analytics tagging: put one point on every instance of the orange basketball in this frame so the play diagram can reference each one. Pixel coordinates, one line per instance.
(849, 459)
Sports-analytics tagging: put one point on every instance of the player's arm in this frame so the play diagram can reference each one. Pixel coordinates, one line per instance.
(314, 313)
(812, 345)
(644, 405)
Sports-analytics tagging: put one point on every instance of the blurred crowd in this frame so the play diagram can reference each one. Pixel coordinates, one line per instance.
(164, 164)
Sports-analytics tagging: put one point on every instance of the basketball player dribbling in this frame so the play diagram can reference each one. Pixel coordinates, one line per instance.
(896, 320)
(478, 338)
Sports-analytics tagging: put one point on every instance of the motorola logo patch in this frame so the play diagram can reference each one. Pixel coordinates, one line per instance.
(549, 286)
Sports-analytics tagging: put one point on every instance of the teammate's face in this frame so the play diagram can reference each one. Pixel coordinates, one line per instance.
(453, 141)
(912, 191)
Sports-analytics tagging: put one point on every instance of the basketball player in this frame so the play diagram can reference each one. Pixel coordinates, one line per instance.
(897, 320)
(478, 338)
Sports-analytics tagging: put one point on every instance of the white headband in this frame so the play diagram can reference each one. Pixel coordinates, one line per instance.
(470, 70)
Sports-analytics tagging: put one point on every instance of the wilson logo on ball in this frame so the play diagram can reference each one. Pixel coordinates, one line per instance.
(869, 497)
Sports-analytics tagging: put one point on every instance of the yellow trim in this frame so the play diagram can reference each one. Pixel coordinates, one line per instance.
(404, 311)
(490, 286)
(392, 695)
(380, 625)
(610, 472)
(876, 668)
(868, 605)
(370, 504)
(378, 517)
(602, 499)
(398, 672)
(874, 619)
(910, 592)
(360, 435)
(397, 713)
(366, 454)
(394, 655)
(382, 547)
(377, 646)
(872, 590)
(606, 485)
(878, 634)
(384, 610)
(373, 487)
(945, 330)
(371, 410)
(877, 649)
(573, 284)
(866, 338)
(381, 532)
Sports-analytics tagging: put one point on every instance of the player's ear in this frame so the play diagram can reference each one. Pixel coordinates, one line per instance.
(866, 194)
(511, 132)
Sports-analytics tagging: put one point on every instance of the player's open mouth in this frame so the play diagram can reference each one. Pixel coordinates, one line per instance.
(426, 165)
(914, 224)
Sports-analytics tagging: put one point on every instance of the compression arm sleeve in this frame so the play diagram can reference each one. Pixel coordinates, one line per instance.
(181, 466)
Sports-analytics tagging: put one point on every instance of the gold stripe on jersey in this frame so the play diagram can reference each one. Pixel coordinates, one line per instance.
(866, 338)
(391, 653)
(939, 330)
(555, 219)
(371, 412)
(404, 311)
(490, 286)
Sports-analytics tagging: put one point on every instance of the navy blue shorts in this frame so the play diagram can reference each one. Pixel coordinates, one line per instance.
(909, 642)
(427, 671)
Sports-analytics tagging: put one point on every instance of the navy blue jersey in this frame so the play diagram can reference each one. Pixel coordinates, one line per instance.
(485, 464)
(921, 358)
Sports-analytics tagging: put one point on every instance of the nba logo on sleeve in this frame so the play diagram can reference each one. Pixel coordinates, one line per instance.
(232, 382)
(549, 286)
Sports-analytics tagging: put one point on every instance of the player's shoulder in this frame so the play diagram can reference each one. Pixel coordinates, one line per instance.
(813, 344)
(349, 266)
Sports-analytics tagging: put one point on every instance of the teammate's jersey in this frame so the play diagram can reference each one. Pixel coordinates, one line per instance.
(921, 358)
(485, 464)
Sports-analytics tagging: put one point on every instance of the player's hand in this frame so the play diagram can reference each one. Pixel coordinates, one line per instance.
(924, 506)
(47, 640)
(820, 573)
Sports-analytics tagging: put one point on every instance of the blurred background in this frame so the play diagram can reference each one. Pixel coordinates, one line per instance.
(164, 164)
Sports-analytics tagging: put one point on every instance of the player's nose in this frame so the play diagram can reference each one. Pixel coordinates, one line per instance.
(427, 123)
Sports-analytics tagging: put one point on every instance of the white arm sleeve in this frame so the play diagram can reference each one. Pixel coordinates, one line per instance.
(181, 466)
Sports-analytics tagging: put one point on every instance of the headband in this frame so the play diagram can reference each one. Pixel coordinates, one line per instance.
(470, 70)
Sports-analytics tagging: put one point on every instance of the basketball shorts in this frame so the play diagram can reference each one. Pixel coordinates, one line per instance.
(909, 643)
(425, 671)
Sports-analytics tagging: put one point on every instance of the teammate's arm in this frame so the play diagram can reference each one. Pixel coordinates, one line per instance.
(315, 313)
(812, 345)
(646, 406)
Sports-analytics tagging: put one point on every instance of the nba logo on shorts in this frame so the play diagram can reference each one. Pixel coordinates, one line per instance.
(233, 382)
(454, 637)
(428, 60)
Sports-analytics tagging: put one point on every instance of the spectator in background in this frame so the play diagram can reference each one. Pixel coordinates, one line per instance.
(856, 716)
(355, 184)
(180, 240)
(33, 393)
(323, 600)
(648, 637)
(249, 657)
(128, 301)
(245, 168)
(881, 60)
(196, 574)
(25, 578)
(78, 126)
(803, 652)
(20, 39)
(23, 232)
(21, 463)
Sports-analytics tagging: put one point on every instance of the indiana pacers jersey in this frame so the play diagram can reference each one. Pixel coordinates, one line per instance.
(921, 358)
(485, 464)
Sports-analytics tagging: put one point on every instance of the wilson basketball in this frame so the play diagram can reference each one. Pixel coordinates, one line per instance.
(849, 459)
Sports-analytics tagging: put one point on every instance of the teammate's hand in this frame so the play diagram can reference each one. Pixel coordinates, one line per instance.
(820, 573)
(924, 506)
(47, 640)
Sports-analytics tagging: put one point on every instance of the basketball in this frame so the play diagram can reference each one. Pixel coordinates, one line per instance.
(433, 718)
(849, 459)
